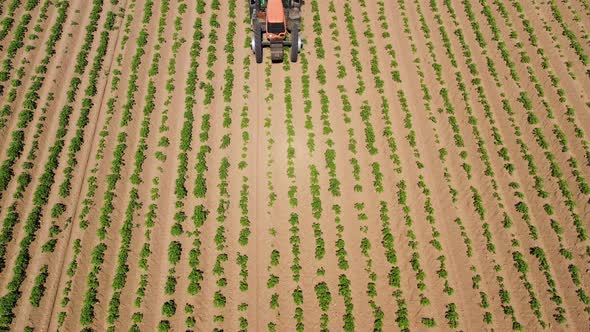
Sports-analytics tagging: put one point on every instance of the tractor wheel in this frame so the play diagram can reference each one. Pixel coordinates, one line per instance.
(295, 43)
(257, 42)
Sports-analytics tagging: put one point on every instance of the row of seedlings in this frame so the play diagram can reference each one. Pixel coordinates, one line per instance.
(8, 21)
(41, 192)
(548, 209)
(321, 288)
(294, 230)
(243, 166)
(554, 296)
(245, 221)
(92, 185)
(11, 49)
(160, 155)
(411, 138)
(16, 80)
(359, 206)
(200, 213)
(175, 250)
(556, 128)
(58, 210)
(24, 178)
(503, 153)
(222, 211)
(564, 249)
(507, 166)
(521, 205)
(451, 314)
(15, 144)
(334, 185)
(88, 309)
(275, 254)
(134, 202)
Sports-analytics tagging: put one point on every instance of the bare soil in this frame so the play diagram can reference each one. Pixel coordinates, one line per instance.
(441, 169)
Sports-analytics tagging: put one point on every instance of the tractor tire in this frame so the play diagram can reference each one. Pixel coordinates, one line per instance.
(294, 43)
(258, 42)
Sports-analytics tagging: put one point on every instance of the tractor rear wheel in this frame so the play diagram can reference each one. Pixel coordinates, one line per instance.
(257, 42)
(294, 43)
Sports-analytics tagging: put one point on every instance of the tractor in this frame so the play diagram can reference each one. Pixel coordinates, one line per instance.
(275, 24)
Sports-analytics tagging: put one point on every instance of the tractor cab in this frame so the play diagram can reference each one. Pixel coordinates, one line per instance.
(275, 30)
(276, 25)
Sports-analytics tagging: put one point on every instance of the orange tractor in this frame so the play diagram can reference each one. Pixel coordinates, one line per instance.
(275, 24)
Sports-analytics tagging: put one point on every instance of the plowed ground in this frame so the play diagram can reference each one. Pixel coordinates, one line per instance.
(423, 165)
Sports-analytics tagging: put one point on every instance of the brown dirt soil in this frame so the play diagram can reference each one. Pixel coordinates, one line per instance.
(422, 170)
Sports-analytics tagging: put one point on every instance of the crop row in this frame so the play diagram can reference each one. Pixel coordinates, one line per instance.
(17, 78)
(40, 196)
(532, 169)
(244, 202)
(92, 186)
(87, 313)
(126, 231)
(30, 102)
(23, 180)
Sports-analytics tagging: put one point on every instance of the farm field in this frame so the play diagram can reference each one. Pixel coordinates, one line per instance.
(423, 166)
